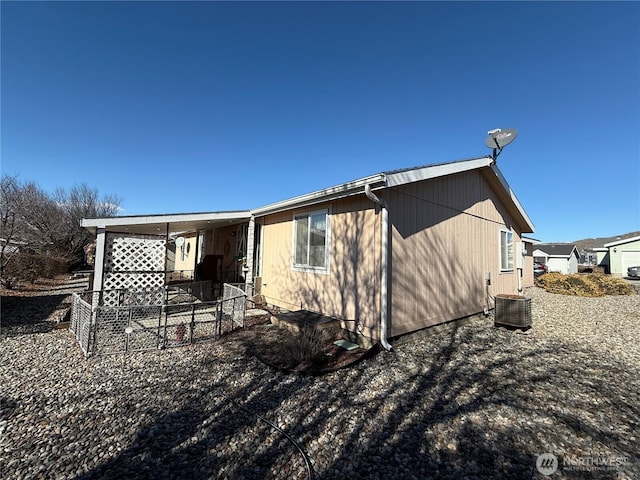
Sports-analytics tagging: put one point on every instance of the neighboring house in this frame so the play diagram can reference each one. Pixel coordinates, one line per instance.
(528, 277)
(602, 258)
(623, 254)
(386, 254)
(588, 257)
(559, 257)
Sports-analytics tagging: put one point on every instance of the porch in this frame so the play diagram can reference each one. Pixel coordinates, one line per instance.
(146, 252)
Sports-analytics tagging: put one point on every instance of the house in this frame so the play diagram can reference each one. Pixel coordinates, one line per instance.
(559, 257)
(602, 259)
(528, 277)
(386, 254)
(623, 254)
(588, 257)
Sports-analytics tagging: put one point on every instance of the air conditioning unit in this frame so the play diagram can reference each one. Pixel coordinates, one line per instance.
(513, 311)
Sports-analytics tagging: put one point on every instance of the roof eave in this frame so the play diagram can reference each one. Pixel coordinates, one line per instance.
(620, 242)
(355, 187)
(434, 171)
(528, 226)
(376, 182)
(114, 223)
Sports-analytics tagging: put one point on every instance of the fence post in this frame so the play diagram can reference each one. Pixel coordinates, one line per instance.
(193, 323)
(219, 317)
(129, 321)
(92, 333)
(166, 315)
(159, 337)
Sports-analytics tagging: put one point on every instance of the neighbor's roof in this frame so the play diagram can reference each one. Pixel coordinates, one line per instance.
(557, 249)
(401, 177)
(620, 242)
(533, 241)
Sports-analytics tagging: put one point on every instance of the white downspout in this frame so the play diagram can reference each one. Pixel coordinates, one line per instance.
(384, 266)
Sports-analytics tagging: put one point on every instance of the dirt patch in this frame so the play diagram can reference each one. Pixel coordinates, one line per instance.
(307, 352)
(34, 307)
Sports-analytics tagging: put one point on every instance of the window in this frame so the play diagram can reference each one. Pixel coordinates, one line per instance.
(310, 241)
(506, 250)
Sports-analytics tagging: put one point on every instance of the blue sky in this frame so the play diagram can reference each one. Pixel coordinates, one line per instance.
(208, 106)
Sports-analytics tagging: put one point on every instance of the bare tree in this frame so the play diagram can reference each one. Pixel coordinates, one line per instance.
(77, 203)
(9, 216)
(29, 219)
(37, 227)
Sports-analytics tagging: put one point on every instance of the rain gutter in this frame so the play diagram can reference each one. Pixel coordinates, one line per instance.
(384, 267)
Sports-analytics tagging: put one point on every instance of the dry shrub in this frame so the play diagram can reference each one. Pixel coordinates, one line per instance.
(27, 268)
(583, 285)
(304, 348)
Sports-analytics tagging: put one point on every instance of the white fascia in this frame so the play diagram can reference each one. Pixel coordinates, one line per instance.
(339, 191)
(163, 219)
(512, 195)
(620, 242)
(434, 171)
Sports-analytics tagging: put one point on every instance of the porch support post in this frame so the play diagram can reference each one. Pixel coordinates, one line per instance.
(196, 254)
(98, 269)
(250, 253)
(166, 255)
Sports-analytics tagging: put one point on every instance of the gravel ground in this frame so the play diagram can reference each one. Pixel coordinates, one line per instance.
(469, 401)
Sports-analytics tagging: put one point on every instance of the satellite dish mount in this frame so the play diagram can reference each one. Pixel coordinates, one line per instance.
(499, 138)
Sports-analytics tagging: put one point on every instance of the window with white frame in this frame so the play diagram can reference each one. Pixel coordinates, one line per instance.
(310, 242)
(506, 250)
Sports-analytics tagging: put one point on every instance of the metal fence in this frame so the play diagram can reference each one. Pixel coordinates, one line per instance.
(145, 320)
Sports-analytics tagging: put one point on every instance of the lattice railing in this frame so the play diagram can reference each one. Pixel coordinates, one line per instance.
(134, 261)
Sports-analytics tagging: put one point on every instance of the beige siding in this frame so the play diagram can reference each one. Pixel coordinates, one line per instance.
(445, 238)
(350, 290)
(185, 256)
(224, 243)
(527, 273)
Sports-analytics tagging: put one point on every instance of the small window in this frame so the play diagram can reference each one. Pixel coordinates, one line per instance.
(310, 241)
(506, 250)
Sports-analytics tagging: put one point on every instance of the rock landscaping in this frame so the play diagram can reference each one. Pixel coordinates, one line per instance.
(467, 401)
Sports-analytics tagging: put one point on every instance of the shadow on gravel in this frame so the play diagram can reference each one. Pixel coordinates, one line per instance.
(474, 401)
(27, 315)
(448, 418)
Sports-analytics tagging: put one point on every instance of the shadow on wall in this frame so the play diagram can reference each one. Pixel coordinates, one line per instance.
(351, 291)
(436, 277)
(444, 239)
(445, 236)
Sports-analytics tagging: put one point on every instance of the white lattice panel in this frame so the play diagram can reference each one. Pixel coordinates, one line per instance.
(132, 281)
(134, 253)
(133, 261)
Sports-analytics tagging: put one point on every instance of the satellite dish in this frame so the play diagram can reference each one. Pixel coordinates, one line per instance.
(501, 138)
(179, 241)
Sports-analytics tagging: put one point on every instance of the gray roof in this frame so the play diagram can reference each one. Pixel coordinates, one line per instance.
(401, 177)
(557, 249)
